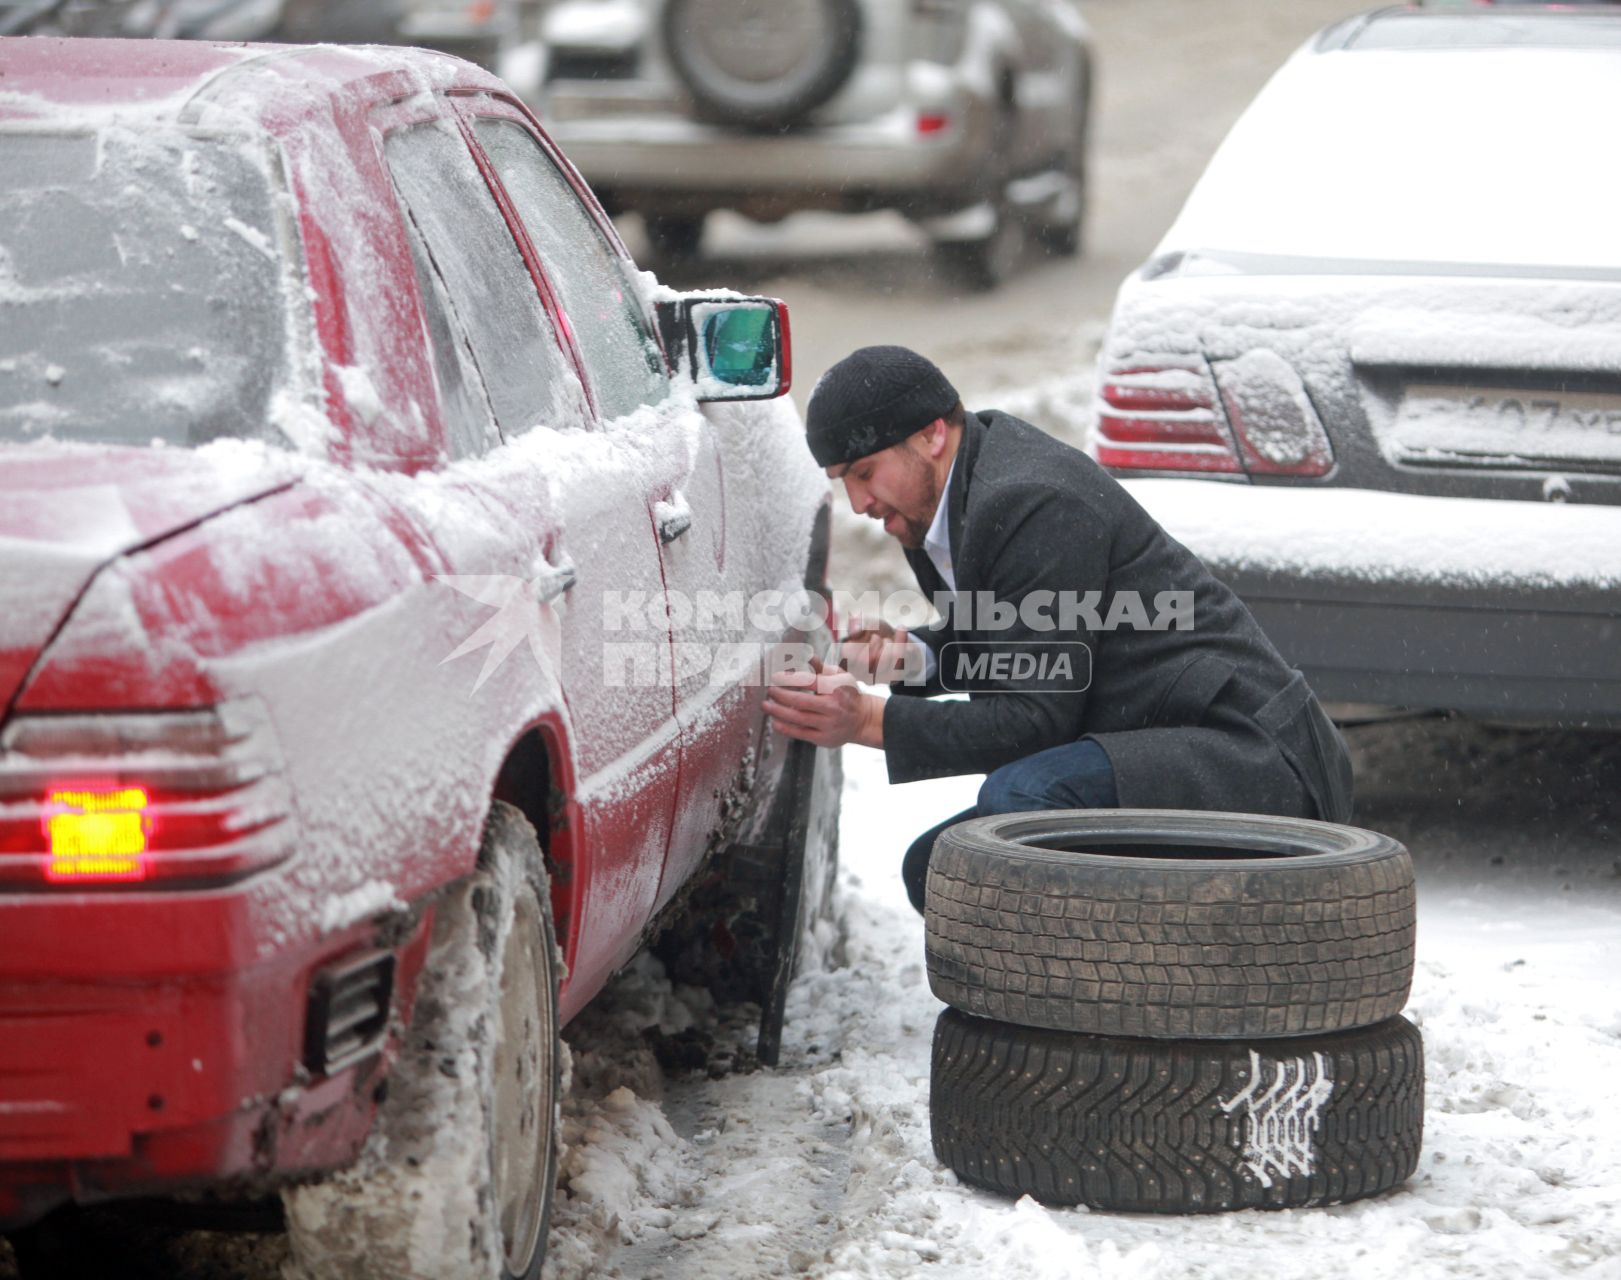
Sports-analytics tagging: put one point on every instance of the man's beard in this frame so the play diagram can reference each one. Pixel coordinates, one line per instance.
(915, 530)
(912, 535)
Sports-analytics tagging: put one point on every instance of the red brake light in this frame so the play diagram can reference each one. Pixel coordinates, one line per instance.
(932, 122)
(1272, 417)
(1161, 414)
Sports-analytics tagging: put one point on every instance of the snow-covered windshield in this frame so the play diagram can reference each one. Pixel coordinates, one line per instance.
(1450, 156)
(140, 288)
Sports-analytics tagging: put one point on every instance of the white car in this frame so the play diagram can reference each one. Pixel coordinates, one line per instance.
(1375, 364)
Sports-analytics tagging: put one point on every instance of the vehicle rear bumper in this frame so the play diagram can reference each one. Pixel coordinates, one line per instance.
(168, 1069)
(631, 159)
(1491, 608)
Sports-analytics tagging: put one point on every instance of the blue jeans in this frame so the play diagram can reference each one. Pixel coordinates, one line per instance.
(1076, 775)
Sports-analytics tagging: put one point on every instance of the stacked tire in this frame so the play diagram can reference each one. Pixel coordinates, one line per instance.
(1173, 1012)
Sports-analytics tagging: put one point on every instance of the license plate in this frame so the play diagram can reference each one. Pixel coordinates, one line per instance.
(1496, 426)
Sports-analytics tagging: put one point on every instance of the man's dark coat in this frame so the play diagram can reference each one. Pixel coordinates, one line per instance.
(1206, 718)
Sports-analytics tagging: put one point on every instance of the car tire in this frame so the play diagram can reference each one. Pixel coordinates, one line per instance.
(674, 239)
(991, 261)
(1066, 237)
(1147, 1126)
(1170, 923)
(456, 1181)
(761, 64)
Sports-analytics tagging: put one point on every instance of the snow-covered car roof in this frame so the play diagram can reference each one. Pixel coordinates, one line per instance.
(193, 149)
(1388, 141)
(41, 72)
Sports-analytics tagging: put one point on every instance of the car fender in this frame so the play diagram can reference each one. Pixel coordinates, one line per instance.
(991, 49)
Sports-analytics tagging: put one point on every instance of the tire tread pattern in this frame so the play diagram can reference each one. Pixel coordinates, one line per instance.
(1139, 1126)
(1239, 949)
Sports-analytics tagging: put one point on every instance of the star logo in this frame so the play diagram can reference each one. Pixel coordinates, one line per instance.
(521, 614)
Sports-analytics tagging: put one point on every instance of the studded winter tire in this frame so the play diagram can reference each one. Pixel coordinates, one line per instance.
(1177, 1126)
(1170, 923)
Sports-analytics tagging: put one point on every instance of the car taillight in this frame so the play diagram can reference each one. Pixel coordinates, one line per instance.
(1249, 416)
(932, 122)
(1272, 417)
(168, 799)
(1162, 415)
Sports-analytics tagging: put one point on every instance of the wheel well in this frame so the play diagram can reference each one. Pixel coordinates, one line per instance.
(529, 782)
(1005, 88)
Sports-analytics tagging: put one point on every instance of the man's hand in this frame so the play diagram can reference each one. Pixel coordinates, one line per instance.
(877, 653)
(825, 707)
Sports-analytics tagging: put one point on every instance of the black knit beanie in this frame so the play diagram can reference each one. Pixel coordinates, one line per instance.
(871, 399)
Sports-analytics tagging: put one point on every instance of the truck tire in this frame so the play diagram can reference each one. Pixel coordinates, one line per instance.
(1147, 1126)
(456, 1181)
(1170, 923)
(761, 64)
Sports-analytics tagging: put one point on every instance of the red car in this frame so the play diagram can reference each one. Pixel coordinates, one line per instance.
(369, 547)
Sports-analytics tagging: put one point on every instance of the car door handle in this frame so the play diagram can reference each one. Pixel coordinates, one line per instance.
(674, 517)
(552, 580)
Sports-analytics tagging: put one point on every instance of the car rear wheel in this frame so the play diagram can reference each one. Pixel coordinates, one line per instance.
(762, 64)
(1182, 1126)
(1063, 237)
(456, 1182)
(1170, 923)
(989, 261)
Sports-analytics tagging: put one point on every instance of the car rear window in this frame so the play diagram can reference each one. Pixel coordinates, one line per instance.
(1459, 157)
(141, 296)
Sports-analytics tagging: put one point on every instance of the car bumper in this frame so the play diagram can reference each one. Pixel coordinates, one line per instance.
(632, 157)
(173, 1059)
(1491, 608)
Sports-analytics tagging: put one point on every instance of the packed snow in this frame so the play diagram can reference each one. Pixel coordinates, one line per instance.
(824, 1167)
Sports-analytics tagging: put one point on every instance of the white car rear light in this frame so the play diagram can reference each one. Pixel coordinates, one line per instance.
(1161, 414)
(167, 799)
(1272, 417)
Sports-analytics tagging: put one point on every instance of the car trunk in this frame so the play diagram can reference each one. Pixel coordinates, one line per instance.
(1451, 384)
(66, 512)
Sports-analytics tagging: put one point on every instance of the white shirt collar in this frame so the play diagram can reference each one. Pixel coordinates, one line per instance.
(937, 541)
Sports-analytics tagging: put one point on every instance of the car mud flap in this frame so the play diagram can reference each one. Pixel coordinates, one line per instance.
(808, 860)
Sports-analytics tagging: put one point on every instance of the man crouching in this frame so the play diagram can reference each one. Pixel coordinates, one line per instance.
(1104, 665)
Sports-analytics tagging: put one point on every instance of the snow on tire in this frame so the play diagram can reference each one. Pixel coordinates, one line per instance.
(456, 1180)
(1177, 1126)
(1170, 923)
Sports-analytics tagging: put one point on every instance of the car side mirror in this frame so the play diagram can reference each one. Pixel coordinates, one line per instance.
(732, 347)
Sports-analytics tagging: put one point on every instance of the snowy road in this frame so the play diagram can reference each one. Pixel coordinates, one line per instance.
(824, 1167)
